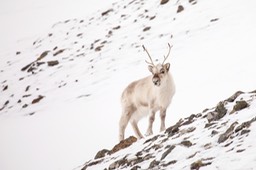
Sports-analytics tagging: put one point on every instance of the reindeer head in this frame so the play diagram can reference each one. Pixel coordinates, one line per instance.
(159, 71)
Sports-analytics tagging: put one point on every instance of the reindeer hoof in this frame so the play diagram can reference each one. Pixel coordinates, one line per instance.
(149, 133)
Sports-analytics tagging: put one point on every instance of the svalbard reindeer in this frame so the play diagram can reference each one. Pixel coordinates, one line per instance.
(147, 96)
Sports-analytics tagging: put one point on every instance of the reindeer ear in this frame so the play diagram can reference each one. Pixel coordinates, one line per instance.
(167, 66)
(150, 68)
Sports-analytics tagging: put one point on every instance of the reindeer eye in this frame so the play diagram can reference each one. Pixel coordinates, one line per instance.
(162, 71)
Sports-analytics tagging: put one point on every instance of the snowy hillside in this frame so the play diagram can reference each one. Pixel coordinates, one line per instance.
(222, 137)
(60, 90)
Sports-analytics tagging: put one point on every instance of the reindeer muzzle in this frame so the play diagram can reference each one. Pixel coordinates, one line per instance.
(156, 80)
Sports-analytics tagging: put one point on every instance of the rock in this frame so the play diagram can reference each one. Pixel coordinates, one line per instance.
(117, 27)
(242, 126)
(180, 9)
(234, 96)
(18, 53)
(186, 143)
(223, 137)
(198, 164)
(169, 150)
(118, 163)
(170, 163)
(163, 2)
(99, 48)
(123, 144)
(52, 63)
(59, 52)
(36, 100)
(211, 116)
(44, 54)
(136, 167)
(193, 2)
(221, 110)
(214, 132)
(240, 105)
(101, 153)
(146, 29)
(5, 88)
(190, 120)
(153, 164)
(172, 130)
(215, 19)
(106, 12)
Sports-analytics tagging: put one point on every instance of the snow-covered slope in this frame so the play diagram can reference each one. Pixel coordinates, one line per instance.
(60, 90)
(222, 137)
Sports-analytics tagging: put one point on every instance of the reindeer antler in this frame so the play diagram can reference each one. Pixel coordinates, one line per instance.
(152, 63)
(168, 53)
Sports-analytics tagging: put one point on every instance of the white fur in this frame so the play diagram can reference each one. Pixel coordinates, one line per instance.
(143, 97)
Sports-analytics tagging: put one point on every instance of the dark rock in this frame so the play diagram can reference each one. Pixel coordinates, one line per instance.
(240, 150)
(59, 52)
(52, 63)
(223, 137)
(27, 88)
(172, 130)
(170, 163)
(186, 143)
(193, 2)
(164, 2)
(101, 153)
(79, 35)
(215, 19)
(146, 29)
(151, 139)
(27, 66)
(242, 126)
(91, 164)
(240, 105)
(118, 163)
(44, 54)
(214, 132)
(190, 120)
(5, 88)
(106, 12)
(153, 164)
(211, 116)
(136, 167)
(245, 131)
(18, 53)
(25, 105)
(209, 125)
(198, 164)
(123, 144)
(99, 48)
(234, 96)
(180, 9)
(117, 27)
(168, 151)
(221, 110)
(36, 100)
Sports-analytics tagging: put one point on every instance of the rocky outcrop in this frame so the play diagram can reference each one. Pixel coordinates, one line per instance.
(196, 141)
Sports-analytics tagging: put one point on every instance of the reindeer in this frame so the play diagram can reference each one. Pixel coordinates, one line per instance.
(147, 96)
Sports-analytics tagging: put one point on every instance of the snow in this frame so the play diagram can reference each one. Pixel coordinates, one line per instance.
(80, 112)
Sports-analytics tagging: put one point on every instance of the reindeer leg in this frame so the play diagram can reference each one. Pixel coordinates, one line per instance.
(123, 123)
(150, 123)
(136, 129)
(162, 116)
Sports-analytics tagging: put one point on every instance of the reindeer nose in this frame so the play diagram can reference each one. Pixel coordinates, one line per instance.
(156, 81)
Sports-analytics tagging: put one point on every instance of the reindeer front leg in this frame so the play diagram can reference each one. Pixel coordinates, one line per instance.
(162, 116)
(150, 123)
